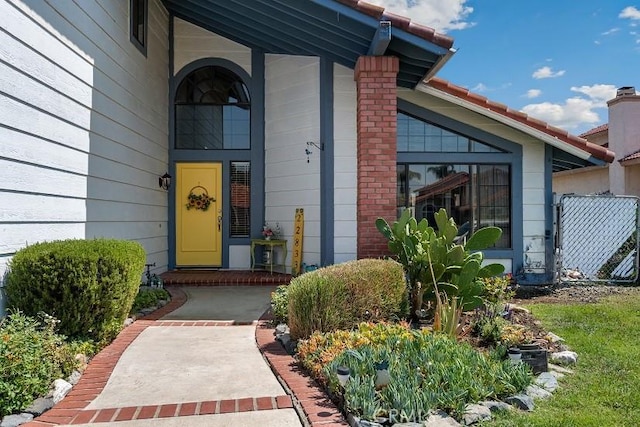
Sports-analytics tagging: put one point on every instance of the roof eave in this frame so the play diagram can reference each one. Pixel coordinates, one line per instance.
(437, 67)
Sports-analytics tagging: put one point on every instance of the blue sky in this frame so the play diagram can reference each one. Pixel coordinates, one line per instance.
(559, 61)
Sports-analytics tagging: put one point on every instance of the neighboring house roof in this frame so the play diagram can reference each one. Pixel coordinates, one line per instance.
(339, 30)
(630, 157)
(561, 135)
(598, 129)
(443, 185)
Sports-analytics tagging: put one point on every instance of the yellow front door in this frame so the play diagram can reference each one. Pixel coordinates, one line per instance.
(199, 214)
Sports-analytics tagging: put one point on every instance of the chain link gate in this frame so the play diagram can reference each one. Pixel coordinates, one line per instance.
(598, 238)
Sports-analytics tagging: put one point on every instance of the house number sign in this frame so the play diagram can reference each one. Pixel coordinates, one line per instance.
(298, 231)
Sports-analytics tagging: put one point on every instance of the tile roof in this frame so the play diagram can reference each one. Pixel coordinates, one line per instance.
(632, 156)
(595, 130)
(596, 151)
(401, 22)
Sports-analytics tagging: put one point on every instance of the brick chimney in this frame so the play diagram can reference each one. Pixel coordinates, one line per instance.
(624, 133)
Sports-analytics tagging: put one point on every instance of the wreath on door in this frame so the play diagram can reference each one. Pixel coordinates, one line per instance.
(199, 198)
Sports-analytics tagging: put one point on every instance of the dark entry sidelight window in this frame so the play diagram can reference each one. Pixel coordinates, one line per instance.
(213, 111)
(240, 199)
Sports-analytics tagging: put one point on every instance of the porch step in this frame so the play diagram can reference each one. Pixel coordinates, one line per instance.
(223, 278)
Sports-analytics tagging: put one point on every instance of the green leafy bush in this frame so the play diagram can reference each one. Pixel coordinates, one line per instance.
(32, 355)
(148, 297)
(427, 372)
(89, 285)
(342, 295)
(280, 304)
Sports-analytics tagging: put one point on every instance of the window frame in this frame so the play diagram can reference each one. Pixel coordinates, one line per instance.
(512, 156)
(141, 45)
(244, 104)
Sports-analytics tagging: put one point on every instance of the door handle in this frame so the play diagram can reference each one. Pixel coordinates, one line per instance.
(220, 220)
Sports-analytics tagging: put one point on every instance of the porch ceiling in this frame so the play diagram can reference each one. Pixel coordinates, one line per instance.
(312, 27)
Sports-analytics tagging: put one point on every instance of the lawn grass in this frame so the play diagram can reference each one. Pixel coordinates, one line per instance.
(605, 388)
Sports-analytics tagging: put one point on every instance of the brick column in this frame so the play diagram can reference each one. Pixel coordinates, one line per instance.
(377, 128)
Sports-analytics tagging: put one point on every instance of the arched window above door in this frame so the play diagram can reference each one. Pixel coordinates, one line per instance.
(212, 111)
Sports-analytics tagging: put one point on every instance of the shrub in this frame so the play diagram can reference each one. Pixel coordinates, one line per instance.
(342, 295)
(148, 297)
(321, 348)
(32, 355)
(280, 303)
(89, 285)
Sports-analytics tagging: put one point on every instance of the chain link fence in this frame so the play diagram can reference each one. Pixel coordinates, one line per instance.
(598, 238)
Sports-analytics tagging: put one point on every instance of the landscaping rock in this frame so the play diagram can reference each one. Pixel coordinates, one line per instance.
(16, 420)
(547, 381)
(475, 413)
(521, 401)
(556, 375)
(282, 328)
(495, 405)
(408, 425)
(440, 419)
(128, 321)
(559, 369)
(162, 303)
(357, 422)
(565, 357)
(283, 338)
(60, 389)
(39, 406)
(536, 392)
(74, 377)
(517, 309)
(554, 338)
(148, 310)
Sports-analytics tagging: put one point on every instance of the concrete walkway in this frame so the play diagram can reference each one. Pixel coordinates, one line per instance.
(195, 364)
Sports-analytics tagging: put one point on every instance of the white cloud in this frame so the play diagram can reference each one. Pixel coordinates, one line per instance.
(598, 94)
(480, 87)
(630, 12)
(438, 14)
(611, 31)
(575, 111)
(546, 73)
(533, 93)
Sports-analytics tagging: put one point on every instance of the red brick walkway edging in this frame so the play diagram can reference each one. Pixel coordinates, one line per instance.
(318, 408)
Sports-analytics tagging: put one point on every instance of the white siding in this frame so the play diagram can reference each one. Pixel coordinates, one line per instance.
(345, 164)
(292, 117)
(192, 43)
(533, 209)
(84, 125)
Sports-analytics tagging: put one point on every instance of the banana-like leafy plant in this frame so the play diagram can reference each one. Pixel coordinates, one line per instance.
(439, 266)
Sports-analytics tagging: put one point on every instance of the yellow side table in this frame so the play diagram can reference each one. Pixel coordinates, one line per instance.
(271, 244)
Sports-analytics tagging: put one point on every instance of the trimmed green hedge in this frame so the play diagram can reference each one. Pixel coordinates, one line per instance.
(89, 285)
(343, 295)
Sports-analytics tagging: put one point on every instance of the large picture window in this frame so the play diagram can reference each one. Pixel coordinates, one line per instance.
(454, 175)
(213, 111)
(475, 196)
